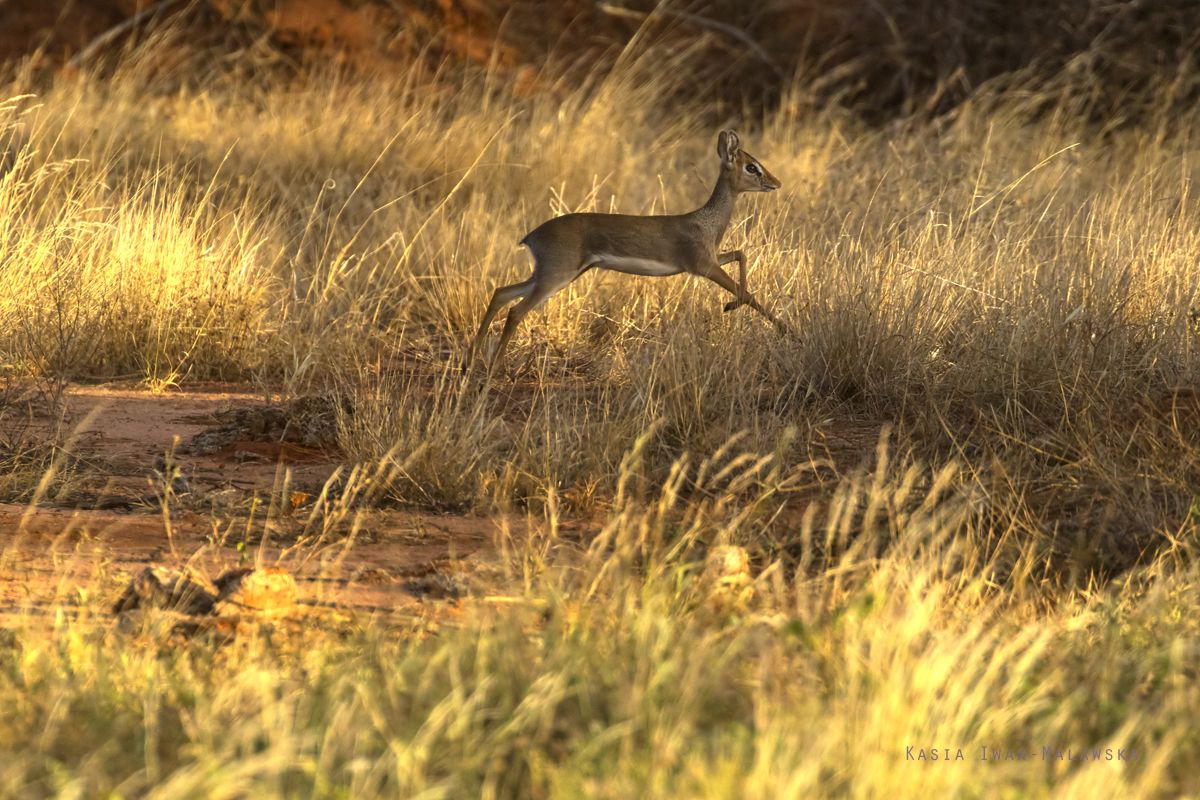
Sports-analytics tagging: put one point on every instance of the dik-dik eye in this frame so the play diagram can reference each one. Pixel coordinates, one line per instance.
(752, 169)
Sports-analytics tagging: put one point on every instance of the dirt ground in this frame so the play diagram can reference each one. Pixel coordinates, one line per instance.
(114, 521)
(235, 450)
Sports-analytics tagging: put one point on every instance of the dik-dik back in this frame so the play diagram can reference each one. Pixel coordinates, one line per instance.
(653, 246)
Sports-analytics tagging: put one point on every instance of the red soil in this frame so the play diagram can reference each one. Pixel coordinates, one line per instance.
(121, 433)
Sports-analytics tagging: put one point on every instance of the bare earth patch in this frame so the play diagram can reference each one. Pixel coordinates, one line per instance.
(235, 450)
(219, 522)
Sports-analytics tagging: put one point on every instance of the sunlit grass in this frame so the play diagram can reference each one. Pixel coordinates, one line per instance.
(634, 669)
(1011, 300)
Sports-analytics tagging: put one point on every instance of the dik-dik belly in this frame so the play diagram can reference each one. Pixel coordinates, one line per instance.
(636, 266)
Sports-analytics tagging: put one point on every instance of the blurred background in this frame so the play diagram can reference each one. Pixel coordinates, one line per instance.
(879, 58)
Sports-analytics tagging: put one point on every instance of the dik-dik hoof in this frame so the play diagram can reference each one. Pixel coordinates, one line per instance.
(732, 304)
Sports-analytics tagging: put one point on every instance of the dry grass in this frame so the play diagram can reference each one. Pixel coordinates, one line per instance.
(630, 670)
(1011, 301)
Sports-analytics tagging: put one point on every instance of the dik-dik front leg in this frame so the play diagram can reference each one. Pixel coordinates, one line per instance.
(740, 257)
(721, 278)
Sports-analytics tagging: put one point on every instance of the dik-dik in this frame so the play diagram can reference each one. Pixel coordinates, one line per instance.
(568, 246)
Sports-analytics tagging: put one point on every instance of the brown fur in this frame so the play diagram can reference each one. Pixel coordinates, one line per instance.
(568, 246)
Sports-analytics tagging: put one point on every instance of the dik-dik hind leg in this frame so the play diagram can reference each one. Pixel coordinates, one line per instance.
(500, 298)
(740, 257)
(537, 296)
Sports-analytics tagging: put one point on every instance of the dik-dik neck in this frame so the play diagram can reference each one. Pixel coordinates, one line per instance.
(716, 213)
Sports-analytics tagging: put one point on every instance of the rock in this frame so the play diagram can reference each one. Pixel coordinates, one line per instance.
(371, 575)
(485, 558)
(436, 586)
(159, 587)
(167, 470)
(268, 589)
(296, 500)
(729, 566)
(309, 420)
(113, 504)
(727, 577)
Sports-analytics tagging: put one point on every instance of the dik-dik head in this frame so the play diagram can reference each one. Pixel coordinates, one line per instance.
(743, 170)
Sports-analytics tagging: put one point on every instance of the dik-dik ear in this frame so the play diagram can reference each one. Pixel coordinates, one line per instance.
(727, 146)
